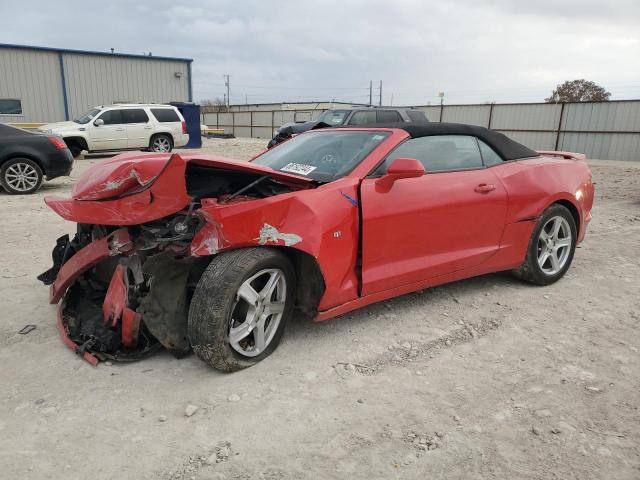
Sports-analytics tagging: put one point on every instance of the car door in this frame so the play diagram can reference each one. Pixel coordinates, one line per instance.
(449, 219)
(112, 134)
(139, 127)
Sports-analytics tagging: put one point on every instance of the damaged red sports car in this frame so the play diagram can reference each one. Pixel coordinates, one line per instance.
(216, 255)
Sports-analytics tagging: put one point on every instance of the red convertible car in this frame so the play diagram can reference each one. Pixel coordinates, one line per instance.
(216, 255)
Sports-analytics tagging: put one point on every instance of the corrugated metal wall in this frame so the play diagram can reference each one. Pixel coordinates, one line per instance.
(34, 78)
(604, 130)
(98, 80)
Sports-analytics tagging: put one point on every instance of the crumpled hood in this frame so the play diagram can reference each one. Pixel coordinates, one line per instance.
(132, 172)
(118, 175)
(134, 188)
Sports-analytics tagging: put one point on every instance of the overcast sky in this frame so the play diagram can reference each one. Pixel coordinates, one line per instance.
(473, 50)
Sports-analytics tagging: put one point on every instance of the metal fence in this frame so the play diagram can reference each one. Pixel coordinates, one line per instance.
(603, 130)
(257, 123)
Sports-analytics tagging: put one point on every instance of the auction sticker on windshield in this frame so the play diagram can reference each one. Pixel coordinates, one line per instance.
(299, 168)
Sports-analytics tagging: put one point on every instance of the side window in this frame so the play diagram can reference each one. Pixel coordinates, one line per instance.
(388, 116)
(10, 106)
(441, 153)
(165, 115)
(111, 117)
(489, 156)
(363, 117)
(417, 116)
(135, 115)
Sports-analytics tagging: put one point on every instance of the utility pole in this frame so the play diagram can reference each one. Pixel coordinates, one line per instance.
(441, 95)
(380, 104)
(226, 83)
(370, 93)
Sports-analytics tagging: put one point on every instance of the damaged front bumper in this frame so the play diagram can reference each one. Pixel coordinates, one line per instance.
(120, 299)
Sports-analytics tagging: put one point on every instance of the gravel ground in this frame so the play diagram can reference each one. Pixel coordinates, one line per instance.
(483, 378)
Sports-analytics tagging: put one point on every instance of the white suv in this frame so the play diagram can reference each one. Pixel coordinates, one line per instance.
(153, 127)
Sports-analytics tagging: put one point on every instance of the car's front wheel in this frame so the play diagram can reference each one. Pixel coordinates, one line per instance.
(551, 247)
(240, 307)
(20, 176)
(161, 144)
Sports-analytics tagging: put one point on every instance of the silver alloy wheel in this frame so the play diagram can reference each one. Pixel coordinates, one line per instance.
(161, 144)
(257, 312)
(554, 245)
(21, 177)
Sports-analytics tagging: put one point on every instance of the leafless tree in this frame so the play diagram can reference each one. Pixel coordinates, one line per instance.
(213, 106)
(578, 91)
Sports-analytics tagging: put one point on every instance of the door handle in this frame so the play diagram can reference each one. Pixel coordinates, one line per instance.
(119, 129)
(485, 188)
(148, 128)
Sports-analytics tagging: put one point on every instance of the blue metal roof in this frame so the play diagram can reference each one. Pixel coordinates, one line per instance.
(88, 52)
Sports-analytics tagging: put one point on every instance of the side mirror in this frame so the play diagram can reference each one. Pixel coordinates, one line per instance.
(401, 168)
(99, 122)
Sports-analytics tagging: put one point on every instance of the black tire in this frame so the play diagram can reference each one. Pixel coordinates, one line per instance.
(33, 176)
(530, 270)
(75, 150)
(214, 300)
(75, 146)
(155, 141)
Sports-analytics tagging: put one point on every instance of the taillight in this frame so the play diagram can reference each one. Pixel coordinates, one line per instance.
(184, 127)
(58, 143)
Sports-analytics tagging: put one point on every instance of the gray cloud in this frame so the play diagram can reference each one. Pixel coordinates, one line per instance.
(475, 51)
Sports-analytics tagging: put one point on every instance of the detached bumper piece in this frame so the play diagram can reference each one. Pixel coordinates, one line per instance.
(111, 305)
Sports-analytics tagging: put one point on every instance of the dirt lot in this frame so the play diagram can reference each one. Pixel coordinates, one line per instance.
(484, 378)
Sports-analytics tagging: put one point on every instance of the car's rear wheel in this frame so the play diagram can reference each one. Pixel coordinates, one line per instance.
(21, 176)
(551, 247)
(240, 307)
(161, 144)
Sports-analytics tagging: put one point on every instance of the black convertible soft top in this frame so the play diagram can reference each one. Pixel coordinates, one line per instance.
(508, 149)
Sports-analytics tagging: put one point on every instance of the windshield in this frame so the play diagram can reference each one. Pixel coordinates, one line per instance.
(324, 155)
(87, 117)
(333, 117)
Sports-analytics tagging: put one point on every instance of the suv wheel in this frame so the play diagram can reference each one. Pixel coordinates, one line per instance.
(161, 144)
(75, 150)
(20, 176)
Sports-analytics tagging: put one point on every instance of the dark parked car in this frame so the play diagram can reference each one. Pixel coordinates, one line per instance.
(352, 117)
(26, 158)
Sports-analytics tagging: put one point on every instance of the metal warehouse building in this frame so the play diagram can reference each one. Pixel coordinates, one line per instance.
(39, 84)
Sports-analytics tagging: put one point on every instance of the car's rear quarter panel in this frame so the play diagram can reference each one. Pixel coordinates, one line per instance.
(534, 184)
